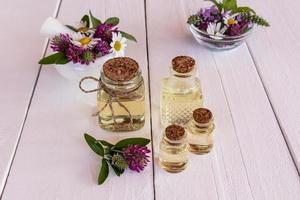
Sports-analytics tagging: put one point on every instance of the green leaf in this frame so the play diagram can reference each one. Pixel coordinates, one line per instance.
(53, 59)
(194, 19)
(117, 171)
(229, 4)
(256, 19)
(94, 20)
(128, 36)
(124, 143)
(72, 28)
(105, 143)
(62, 60)
(243, 10)
(86, 20)
(112, 20)
(103, 172)
(94, 144)
(219, 5)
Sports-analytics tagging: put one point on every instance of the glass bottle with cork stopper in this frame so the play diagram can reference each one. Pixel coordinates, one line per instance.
(180, 93)
(121, 100)
(200, 131)
(173, 150)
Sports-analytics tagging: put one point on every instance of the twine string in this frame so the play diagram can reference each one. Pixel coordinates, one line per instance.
(112, 97)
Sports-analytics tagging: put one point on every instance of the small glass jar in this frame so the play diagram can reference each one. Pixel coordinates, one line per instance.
(173, 151)
(121, 97)
(200, 131)
(180, 93)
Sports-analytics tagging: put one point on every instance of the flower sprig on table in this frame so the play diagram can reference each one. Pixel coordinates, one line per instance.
(226, 18)
(87, 41)
(130, 153)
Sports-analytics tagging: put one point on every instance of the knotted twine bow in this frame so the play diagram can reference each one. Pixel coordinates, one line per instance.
(112, 97)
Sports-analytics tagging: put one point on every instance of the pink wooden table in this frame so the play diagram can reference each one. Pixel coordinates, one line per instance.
(253, 91)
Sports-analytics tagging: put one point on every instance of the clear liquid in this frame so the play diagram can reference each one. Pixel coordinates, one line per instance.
(201, 140)
(136, 107)
(179, 98)
(173, 159)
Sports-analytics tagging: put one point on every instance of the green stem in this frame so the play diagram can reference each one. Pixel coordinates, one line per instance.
(117, 151)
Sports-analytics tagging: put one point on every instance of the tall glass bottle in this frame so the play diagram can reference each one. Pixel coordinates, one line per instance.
(173, 150)
(180, 93)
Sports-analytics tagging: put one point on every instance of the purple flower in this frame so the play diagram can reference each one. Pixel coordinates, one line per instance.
(239, 28)
(60, 42)
(102, 48)
(211, 14)
(234, 30)
(104, 31)
(239, 18)
(80, 55)
(203, 26)
(136, 157)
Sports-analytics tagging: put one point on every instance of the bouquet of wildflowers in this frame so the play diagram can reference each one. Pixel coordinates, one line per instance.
(87, 41)
(225, 19)
(129, 153)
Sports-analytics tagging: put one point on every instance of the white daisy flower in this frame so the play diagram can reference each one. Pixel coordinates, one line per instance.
(82, 27)
(84, 41)
(214, 30)
(118, 45)
(230, 19)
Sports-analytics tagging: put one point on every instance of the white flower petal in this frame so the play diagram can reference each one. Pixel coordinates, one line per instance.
(123, 40)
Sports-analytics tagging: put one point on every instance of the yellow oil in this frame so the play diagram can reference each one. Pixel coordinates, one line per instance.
(201, 140)
(135, 105)
(173, 159)
(178, 100)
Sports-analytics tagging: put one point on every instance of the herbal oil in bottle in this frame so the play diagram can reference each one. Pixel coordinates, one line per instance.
(173, 152)
(181, 92)
(123, 87)
(200, 132)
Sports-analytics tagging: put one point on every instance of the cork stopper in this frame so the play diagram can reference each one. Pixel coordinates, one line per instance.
(183, 64)
(175, 132)
(202, 115)
(120, 69)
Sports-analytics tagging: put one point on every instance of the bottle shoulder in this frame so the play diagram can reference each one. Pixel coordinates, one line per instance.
(180, 83)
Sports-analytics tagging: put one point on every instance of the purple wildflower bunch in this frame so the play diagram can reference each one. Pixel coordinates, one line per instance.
(225, 19)
(136, 157)
(130, 153)
(91, 39)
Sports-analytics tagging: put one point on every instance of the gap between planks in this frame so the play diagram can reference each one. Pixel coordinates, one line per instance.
(150, 102)
(44, 49)
(273, 110)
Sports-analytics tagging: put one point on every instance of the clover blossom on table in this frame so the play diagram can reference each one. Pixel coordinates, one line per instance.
(129, 153)
(136, 157)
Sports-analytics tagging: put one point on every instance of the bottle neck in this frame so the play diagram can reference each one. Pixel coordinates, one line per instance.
(187, 75)
(202, 126)
(124, 86)
(175, 142)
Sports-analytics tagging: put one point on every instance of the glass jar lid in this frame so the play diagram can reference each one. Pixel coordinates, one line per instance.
(175, 134)
(121, 69)
(183, 64)
(202, 116)
(121, 74)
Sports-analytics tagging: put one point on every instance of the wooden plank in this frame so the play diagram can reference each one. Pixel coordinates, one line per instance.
(22, 46)
(53, 161)
(251, 160)
(276, 52)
